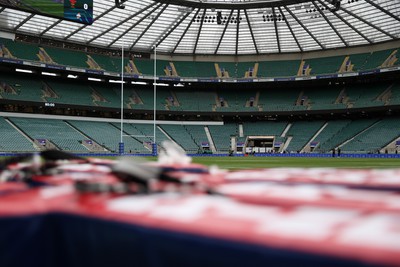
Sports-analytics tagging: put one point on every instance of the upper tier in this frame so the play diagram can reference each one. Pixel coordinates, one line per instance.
(202, 69)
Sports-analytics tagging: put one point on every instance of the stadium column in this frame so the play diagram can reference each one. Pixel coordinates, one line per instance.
(121, 143)
(154, 146)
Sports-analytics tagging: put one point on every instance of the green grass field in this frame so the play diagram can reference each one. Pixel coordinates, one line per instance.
(234, 163)
(279, 162)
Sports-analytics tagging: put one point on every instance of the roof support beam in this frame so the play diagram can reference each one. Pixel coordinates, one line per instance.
(84, 26)
(368, 23)
(223, 33)
(122, 22)
(185, 31)
(198, 33)
(237, 31)
(50, 27)
(383, 10)
(170, 31)
(330, 24)
(148, 26)
(133, 26)
(276, 29)
(291, 30)
(347, 23)
(23, 22)
(251, 31)
(304, 27)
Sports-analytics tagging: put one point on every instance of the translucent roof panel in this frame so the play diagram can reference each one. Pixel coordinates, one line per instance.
(221, 27)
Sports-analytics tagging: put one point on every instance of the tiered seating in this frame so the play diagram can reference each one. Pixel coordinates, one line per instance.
(346, 133)
(111, 96)
(236, 100)
(242, 67)
(186, 69)
(302, 132)
(195, 101)
(21, 50)
(323, 98)
(71, 93)
(106, 135)
(148, 130)
(332, 129)
(278, 68)
(197, 133)
(359, 61)
(147, 96)
(146, 66)
(325, 65)
(377, 58)
(133, 132)
(395, 97)
(221, 135)
(116, 62)
(282, 68)
(27, 88)
(106, 63)
(365, 96)
(56, 131)
(68, 57)
(179, 134)
(376, 137)
(280, 100)
(264, 128)
(12, 140)
(230, 67)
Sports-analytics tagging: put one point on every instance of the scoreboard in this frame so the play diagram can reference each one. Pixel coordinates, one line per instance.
(80, 11)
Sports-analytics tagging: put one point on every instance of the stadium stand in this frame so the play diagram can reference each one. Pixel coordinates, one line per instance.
(345, 133)
(323, 98)
(280, 100)
(198, 134)
(146, 66)
(394, 98)
(68, 57)
(106, 135)
(221, 135)
(359, 61)
(23, 88)
(107, 96)
(106, 63)
(236, 100)
(195, 101)
(365, 96)
(56, 131)
(325, 65)
(302, 132)
(21, 50)
(282, 68)
(80, 95)
(12, 140)
(182, 137)
(376, 59)
(148, 130)
(375, 137)
(332, 128)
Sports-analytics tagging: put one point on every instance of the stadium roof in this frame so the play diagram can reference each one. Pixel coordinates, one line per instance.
(243, 27)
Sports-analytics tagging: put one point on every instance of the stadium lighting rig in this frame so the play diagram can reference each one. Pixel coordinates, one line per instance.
(120, 4)
(335, 4)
